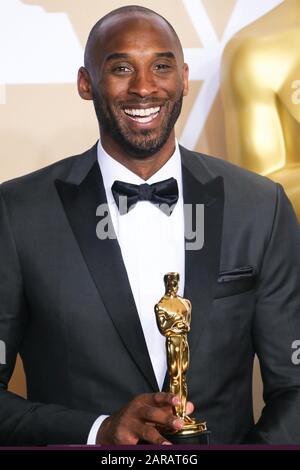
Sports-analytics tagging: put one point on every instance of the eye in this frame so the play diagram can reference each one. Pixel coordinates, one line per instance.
(162, 67)
(121, 69)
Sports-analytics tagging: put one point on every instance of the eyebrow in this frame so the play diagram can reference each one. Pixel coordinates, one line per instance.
(168, 55)
(123, 55)
(117, 55)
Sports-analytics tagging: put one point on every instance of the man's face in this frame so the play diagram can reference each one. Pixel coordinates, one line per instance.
(138, 80)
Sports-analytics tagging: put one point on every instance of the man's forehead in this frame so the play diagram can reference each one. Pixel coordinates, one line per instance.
(132, 20)
(123, 30)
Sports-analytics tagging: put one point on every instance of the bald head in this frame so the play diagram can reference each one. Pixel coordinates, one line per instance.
(124, 14)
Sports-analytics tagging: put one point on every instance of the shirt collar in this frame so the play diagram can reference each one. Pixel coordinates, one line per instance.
(112, 170)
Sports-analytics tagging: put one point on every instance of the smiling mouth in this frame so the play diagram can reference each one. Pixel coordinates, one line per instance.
(142, 115)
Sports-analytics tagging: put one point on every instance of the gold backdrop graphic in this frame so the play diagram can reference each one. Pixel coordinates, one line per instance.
(42, 122)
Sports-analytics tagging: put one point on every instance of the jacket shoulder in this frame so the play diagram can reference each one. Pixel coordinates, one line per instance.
(236, 179)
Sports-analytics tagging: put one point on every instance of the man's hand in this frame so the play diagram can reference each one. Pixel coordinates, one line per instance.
(138, 419)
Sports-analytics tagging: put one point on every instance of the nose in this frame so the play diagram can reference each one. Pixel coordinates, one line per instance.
(143, 84)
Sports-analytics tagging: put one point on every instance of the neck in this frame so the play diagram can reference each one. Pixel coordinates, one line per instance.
(143, 167)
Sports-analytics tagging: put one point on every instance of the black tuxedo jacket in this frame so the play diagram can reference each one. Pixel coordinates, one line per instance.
(67, 307)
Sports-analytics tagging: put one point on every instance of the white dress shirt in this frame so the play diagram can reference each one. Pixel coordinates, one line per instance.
(152, 244)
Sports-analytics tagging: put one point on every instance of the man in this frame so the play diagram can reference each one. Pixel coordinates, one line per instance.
(79, 306)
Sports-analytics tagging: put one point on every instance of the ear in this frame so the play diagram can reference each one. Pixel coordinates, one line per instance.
(84, 84)
(185, 79)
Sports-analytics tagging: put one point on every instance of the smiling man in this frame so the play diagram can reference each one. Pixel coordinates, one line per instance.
(78, 302)
(137, 83)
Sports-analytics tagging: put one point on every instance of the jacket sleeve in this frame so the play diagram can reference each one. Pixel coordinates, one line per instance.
(23, 422)
(276, 327)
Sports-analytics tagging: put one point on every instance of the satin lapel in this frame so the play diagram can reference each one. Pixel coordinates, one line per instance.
(202, 265)
(105, 263)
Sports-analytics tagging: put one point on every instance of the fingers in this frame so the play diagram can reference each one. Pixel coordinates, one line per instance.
(162, 399)
(158, 410)
(189, 408)
(137, 421)
(151, 435)
(161, 416)
(165, 399)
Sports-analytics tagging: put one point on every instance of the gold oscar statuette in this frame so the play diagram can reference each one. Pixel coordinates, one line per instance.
(173, 316)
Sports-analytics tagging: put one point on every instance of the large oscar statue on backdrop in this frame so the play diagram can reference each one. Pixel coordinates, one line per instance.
(261, 95)
(173, 315)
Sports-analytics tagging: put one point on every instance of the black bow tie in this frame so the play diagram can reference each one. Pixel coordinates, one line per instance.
(164, 194)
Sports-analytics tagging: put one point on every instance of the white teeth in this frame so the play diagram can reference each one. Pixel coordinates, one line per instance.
(145, 119)
(142, 112)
